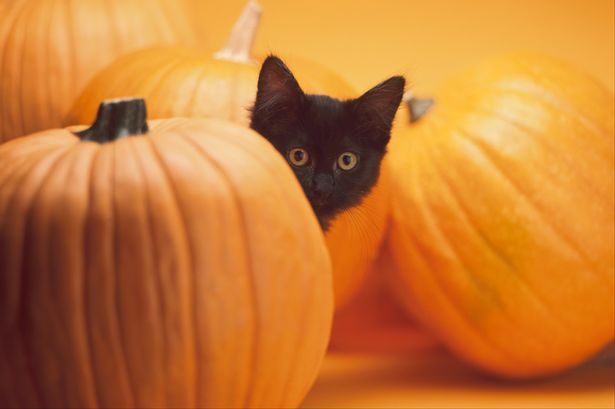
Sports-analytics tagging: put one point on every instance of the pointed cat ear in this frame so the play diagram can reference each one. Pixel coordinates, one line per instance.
(376, 109)
(279, 96)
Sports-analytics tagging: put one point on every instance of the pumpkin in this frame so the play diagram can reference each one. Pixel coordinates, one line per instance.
(180, 81)
(175, 264)
(373, 322)
(502, 232)
(52, 48)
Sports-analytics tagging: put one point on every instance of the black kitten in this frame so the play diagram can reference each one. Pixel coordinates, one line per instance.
(334, 147)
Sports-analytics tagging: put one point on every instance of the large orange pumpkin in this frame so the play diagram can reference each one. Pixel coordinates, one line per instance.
(180, 268)
(179, 81)
(503, 229)
(50, 49)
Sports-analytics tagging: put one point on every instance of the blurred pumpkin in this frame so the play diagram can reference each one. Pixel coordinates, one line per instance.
(179, 81)
(179, 266)
(503, 232)
(373, 322)
(52, 48)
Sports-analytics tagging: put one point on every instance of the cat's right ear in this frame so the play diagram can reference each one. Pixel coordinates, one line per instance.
(279, 96)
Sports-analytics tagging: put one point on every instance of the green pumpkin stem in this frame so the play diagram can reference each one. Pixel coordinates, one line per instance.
(418, 107)
(116, 119)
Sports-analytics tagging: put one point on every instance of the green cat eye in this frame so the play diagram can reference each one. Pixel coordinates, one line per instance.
(347, 161)
(298, 157)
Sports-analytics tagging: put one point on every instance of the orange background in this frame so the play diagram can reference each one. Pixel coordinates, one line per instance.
(427, 40)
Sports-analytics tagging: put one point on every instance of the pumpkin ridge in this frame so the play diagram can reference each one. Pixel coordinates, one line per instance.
(477, 231)
(121, 341)
(10, 32)
(69, 32)
(41, 13)
(20, 314)
(264, 164)
(430, 220)
(86, 324)
(275, 175)
(22, 66)
(74, 322)
(545, 96)
(537, 209)
(467, 270)
(543, 142)
(452, 306)
(182, 216)
(161, 315)
(6, 173)
(88, 281)
(250, 266)
(22, 172)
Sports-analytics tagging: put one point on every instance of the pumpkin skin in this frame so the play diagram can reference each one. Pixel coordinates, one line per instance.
(373, 322)
(52, 48)
(502, 232)
(180, 81)
(205, 283)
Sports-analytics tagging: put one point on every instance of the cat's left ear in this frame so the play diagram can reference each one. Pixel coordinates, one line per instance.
(279, 96)
(376, 109)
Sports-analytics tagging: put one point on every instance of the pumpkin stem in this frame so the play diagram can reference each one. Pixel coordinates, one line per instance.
(417, 107)
(116, 119)
(239, 45)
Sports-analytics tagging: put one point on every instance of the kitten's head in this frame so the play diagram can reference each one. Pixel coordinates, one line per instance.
(334, 147)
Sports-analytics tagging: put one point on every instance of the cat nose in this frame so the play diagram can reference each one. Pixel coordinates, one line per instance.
(324, 184)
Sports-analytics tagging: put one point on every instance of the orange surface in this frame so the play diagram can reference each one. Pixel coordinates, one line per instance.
(366, 41)
(435, 380)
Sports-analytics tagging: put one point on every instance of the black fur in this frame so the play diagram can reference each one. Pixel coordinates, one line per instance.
(326, 127)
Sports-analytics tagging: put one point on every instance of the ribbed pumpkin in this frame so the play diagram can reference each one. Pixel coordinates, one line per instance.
(503, 229)
(179, 81)
(50, 49)
(180, 268)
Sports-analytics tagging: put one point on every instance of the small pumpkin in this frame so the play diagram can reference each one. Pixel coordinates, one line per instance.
(169, 264)
(502, 232)
(180, 81)
(52, 48)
